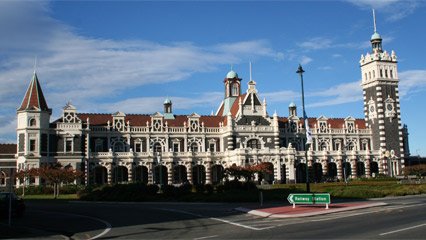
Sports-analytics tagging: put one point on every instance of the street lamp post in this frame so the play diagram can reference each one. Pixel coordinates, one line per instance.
(300, 71)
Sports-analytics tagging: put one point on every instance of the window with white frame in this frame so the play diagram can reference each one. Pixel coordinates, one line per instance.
(68, 145)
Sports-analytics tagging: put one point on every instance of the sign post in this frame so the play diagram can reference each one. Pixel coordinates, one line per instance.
(309, 198)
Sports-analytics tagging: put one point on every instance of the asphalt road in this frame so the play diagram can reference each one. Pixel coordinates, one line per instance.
(402, 218)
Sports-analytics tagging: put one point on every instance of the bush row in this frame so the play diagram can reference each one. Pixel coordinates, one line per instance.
(38, 190)
(144, 192)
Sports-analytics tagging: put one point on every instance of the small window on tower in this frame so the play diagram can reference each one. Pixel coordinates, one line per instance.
(32, 145)
(374, 74)
(235, 91)
(381, 73)
(33, 122)
(386, 73)
(391, 74)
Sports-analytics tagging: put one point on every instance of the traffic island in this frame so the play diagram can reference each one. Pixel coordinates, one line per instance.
(307, 210)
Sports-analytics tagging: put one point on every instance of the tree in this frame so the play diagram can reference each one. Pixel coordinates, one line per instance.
(418, 170)
(55, 174)
(247, 172)
(24, 174)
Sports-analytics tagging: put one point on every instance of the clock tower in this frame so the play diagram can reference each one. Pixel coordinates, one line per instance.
(381, 104)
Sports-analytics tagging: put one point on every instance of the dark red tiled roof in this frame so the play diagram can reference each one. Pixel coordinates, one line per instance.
(236, 106)
(334, 122)
(140, 120)
(34, 98)
(8, 148)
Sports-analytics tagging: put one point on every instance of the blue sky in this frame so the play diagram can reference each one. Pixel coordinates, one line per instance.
(106, 56)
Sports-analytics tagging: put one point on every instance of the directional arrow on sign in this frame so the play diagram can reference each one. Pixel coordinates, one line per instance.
(290, 198)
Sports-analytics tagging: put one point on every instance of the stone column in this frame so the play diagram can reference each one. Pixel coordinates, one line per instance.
(367, 166)
(208, 167)
(169, 173)
(130, 172)
(277, 170)
(189, 172)
(339, 165)
(382, 166)
(353, 167)
(150, 173)
(109, 172)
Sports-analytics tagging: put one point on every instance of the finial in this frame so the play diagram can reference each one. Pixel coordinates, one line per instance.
(232, 66)
(374, 20)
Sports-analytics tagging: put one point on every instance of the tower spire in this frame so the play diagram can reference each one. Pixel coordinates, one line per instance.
(374, 21)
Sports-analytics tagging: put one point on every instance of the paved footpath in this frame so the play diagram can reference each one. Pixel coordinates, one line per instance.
(306, 210)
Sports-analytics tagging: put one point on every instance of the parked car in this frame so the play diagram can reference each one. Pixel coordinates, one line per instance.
(18, 205)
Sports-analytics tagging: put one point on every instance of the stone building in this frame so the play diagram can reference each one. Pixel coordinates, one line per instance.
(167, 148)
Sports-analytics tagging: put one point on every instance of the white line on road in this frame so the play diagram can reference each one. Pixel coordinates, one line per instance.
(206, 237)
(241, 225)
(403, 229)
(216, 219)
(107, 224)
(368, 212)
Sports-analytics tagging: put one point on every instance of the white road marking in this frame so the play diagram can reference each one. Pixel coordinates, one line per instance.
(107, 224)
(368, 212)
(216, 219)
(206, 237)
(241, 225)
(403, 229)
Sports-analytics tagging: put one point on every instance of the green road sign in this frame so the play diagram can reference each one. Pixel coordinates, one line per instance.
(309, 198)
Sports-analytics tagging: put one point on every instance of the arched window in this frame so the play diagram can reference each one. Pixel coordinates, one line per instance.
(253, 144)
(33, 122)
(374, 74)
(369, 75)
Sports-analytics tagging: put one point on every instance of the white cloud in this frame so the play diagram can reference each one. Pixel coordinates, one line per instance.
(316, 43)
(336, 95)
(150, 105)
(411, 82)
(393, 9)
(285, 96)
(305, 60)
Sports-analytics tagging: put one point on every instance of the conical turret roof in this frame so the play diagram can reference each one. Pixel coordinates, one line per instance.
(34, 98)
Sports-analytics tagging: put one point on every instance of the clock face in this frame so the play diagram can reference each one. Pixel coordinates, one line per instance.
(371, 108)
(389, 107)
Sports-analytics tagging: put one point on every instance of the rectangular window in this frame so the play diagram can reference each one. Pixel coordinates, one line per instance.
(138, 147)
(21, 142)
(68, 145)
(175, 147)
(212, 147)
(32, 145)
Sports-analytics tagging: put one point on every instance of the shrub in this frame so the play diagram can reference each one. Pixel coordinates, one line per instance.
(209, 188)
(152, 189)
(200, 188)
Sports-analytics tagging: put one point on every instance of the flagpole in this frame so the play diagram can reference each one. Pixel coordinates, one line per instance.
(300, 71)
